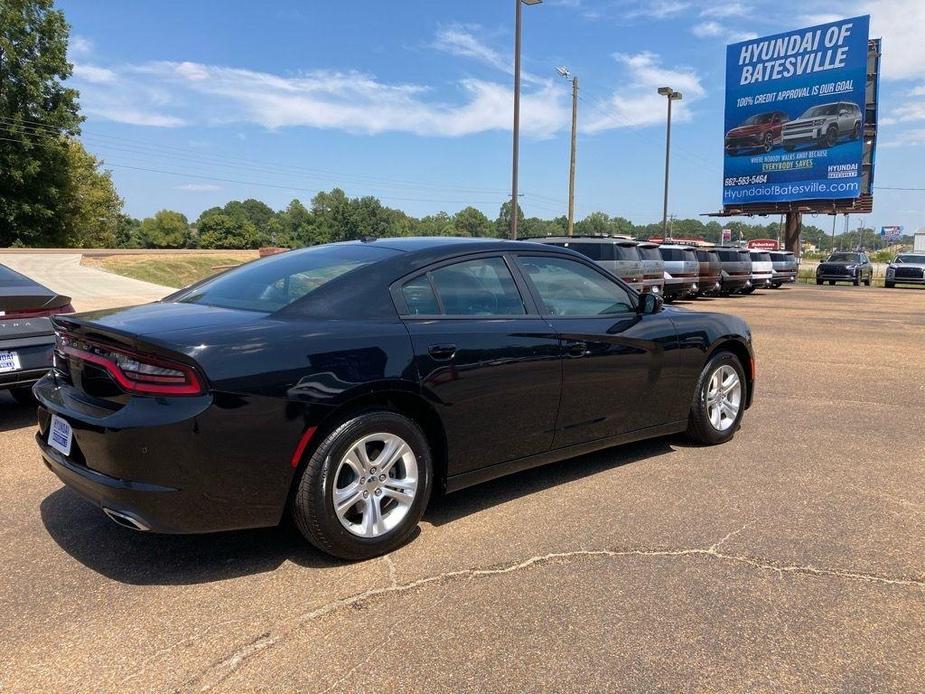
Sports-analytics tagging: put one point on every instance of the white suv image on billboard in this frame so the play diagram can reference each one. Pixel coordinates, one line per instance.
(824, 125)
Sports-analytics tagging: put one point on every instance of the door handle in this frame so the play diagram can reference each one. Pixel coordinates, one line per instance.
(442, 352)
(576, 349)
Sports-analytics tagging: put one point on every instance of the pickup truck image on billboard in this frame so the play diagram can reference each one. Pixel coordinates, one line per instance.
(795, 114)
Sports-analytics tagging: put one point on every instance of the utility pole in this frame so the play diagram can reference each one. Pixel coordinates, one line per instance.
(834, 218)
(515, 202)
(672, 95)
(564, 72)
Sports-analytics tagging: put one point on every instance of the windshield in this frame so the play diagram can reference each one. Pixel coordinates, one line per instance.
(761, 257)
(275, 282)
(844, 258)
(908, 258)
(817, 111)
(760, 119)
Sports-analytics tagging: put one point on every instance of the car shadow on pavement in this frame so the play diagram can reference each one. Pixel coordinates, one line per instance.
(128, 556)
(15, 416)
(473, 499)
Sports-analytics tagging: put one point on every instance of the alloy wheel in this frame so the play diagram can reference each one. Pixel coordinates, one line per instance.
(724, 397)
(375, 484)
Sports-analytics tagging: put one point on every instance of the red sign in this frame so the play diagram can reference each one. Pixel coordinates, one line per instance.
(764, 244)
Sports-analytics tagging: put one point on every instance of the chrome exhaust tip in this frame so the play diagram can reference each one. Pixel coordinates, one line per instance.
(126, 520)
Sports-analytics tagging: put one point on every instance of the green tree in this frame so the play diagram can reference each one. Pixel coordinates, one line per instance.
(222, 230)
(503, 222)
(128, 232)
(166, 229)
(36, 113)
(471, 221)
(90, 205)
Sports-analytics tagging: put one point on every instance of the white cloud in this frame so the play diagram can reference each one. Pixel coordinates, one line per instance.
(638, 103)
(707, 29)
(731, 9)
(917, 91)
(169, 94)
(198, 187)
(80, 45)
(461, 41)
(900, 24)
(909, 138)
(94, 74)
(659, 9)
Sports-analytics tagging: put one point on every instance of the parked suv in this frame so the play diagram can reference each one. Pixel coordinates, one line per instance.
(711, 270)
(785, 265)
(653, 267)
(762, 131)
(906, 268)
(762, 270)
(845, 267)
(736, 269)
(618, 254)
(823, 125)
(682, 270)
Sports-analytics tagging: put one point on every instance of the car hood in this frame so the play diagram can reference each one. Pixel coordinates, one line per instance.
(747, 130)
(918, 266)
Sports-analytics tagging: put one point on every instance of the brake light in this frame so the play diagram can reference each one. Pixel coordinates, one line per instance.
(37, 312)
(135, 372)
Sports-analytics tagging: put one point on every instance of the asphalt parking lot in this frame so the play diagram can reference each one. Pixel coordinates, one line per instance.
(791, 558)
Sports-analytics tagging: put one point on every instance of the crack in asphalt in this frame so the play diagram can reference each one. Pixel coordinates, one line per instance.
(221, 670)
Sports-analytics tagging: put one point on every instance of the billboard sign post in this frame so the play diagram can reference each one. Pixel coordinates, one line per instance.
(795, 105)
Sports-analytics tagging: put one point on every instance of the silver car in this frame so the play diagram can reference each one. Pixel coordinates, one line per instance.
(762, 270)
(682, 270)
(653, 267)
(823, 125)
(618, 254)
(906, 268)
(785, 266)
(737, 269)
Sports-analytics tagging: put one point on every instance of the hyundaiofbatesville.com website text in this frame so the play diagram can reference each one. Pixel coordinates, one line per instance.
(814, 189)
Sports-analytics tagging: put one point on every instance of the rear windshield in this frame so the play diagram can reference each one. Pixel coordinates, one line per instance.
(732, 256)
(761, 257)
(626, 252)
(677, 254)
(781, 256)
(593, 250)
(650, 253)
(278, 281)
(707, 256)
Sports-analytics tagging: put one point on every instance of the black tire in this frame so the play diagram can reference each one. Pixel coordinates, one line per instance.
(768, 142)
(831, 137)
(699, 428)
(831, 283)
(748, 290)
(889, 285)
(856, 131)
(23, 395)
(867, 281)
(857, 280)
(818, 281)
(313, 503)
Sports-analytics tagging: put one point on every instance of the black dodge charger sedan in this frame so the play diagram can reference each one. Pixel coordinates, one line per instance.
(344, 383)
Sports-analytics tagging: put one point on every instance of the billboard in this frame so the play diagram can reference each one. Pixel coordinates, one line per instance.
(763, 244)
(891, 233)
(795, 107)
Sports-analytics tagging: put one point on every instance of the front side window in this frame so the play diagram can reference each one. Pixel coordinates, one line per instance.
(481, 287)
(569, 288)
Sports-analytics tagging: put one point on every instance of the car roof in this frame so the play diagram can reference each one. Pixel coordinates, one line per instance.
(678, 246)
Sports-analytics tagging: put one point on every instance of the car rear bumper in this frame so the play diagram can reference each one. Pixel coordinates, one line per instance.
(678, 286)
(174, 465)
(34, 358)
(709, 283)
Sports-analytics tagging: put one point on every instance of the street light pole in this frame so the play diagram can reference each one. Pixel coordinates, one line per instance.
(515, 204)
(671, 95)
(564, 72)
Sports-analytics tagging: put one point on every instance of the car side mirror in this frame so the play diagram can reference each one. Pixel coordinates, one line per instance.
(650, 304)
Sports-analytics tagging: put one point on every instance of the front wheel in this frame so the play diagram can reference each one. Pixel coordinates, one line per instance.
(365, 487)
(719, 401)
(889, 285)
(818, 281)
(23, 395)
(867, 281)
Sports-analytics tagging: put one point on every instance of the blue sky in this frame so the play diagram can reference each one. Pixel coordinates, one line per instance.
(195, 103)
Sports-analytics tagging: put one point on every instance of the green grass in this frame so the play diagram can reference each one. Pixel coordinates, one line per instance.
(169, 270)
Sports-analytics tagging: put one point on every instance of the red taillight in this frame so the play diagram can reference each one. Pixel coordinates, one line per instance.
(37, 312)
(134, 371)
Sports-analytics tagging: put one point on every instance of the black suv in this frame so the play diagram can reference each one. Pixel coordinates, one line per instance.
(845, 267)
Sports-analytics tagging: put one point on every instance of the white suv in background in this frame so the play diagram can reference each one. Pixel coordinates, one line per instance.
(823, 125)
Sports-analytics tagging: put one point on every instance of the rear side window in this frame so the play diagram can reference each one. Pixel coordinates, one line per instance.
(278, 281)
(593, 250)
(481, 287)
